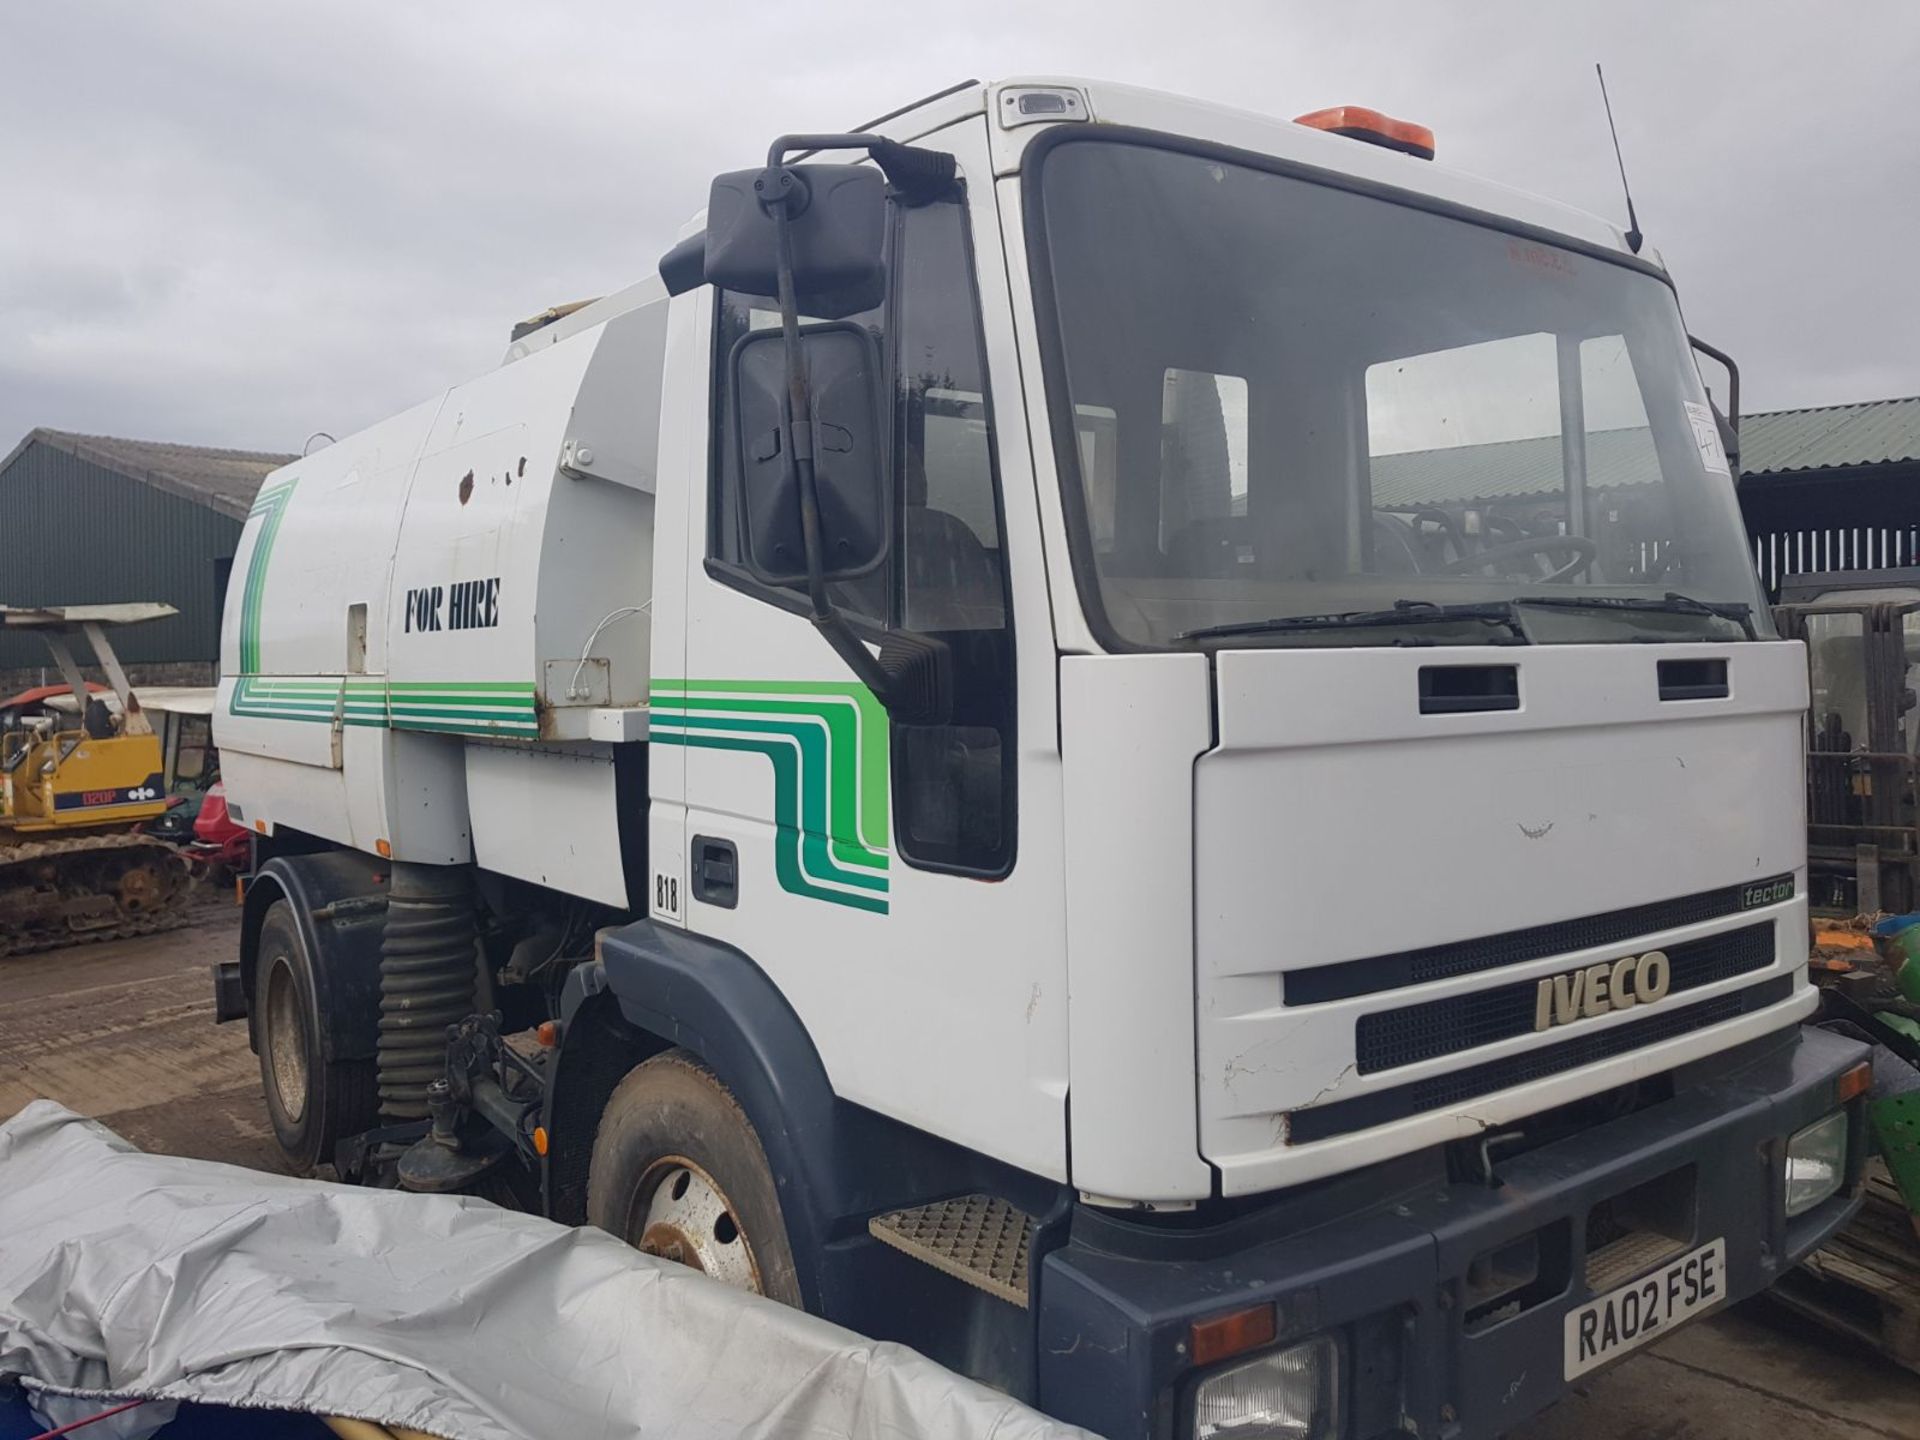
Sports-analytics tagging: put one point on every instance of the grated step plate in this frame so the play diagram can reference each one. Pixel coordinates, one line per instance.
(1621, 1260)
(974, 1238)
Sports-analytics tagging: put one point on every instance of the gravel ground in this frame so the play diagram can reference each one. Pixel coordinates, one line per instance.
(125, 1032)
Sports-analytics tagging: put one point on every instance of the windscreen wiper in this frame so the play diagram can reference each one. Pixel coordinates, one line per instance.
(1672, 603)
(1404, 612)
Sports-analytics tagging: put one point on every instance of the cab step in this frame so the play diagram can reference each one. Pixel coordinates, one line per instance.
(1639, 1253)
(975, 1238)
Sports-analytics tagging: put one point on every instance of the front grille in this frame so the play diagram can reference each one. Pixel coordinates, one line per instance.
(1343, 1117)
(1516, 947)
(1391, 1038)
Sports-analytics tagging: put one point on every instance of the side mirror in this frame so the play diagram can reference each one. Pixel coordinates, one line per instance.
(807, 410)
(836, 222)
(837, 217)
(850, 472)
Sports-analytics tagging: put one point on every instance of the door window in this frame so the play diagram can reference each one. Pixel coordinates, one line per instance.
(945, 575)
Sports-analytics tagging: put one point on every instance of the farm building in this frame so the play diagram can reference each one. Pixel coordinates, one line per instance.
(1832, 488)
(92, 519)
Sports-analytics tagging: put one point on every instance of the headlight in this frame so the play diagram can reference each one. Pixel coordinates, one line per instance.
(1816, 1163)
(1292, 1393)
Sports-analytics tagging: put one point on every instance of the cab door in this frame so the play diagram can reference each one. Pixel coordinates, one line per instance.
(900, 884)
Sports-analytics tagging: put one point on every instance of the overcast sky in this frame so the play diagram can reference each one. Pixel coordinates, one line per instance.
(239, 223)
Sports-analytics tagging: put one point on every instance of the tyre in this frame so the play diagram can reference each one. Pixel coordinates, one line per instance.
(677, 1171)
(311, 1102)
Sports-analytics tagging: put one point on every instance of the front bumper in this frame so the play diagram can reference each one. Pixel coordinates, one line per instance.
(1381, 1259)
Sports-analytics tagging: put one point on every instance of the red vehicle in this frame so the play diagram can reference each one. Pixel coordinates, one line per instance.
(217, 840)
(15, 708)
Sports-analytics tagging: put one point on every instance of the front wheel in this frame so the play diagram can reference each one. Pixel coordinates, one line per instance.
(678, 1172)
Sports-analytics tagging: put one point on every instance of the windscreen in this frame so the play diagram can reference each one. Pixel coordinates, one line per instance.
(1294, 400)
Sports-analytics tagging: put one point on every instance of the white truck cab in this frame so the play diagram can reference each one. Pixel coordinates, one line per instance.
(1130, 742)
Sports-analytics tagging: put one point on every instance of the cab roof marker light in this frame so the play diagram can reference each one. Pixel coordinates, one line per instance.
(1038, 104)
(1356, 122)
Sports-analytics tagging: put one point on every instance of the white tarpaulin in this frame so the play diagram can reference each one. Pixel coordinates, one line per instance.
(125, 1274)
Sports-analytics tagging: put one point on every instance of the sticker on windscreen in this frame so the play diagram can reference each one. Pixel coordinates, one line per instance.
(1706, 438)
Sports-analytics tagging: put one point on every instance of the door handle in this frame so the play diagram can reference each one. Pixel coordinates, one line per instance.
(716, 872)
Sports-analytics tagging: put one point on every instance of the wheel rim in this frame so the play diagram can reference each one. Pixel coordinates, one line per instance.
(286, 1051)
(690, 1220)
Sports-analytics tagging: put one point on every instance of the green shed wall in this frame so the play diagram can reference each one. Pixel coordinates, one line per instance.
(74, 533)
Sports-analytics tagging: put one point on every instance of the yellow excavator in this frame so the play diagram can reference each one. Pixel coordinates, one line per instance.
(73, 791)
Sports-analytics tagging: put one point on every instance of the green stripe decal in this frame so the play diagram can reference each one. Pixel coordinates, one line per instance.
(453, 707)
(827, 744)
(458, 707)
(270, 504)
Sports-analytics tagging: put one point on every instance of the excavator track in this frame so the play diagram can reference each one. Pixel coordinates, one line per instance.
(75, 889)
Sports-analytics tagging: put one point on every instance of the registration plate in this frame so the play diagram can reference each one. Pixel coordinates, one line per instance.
(1645, 1309)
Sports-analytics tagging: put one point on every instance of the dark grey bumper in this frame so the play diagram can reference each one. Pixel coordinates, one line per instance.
(1386, 1271)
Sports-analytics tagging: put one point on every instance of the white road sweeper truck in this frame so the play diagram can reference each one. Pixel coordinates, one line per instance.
(1128, 742)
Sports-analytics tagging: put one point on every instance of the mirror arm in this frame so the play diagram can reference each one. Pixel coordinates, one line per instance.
(827, 619)
(1733, 377)
(778, 151)
(1730, 422)
(917, 176)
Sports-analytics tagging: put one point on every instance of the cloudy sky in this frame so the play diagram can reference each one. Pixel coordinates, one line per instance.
(237, 223)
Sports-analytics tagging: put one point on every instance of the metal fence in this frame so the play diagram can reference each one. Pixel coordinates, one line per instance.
(1780, 553)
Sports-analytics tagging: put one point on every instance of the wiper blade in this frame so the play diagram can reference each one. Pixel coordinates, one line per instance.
(1672, 603)
(1404, 612)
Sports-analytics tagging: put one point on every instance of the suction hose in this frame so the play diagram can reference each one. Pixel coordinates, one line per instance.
(427, 974)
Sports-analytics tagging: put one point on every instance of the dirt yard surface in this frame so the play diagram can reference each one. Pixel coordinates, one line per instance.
(124, 1032)
(1753, 1373)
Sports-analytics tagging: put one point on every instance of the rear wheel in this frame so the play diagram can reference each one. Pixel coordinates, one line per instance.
(678, 1172)
(312, 1103)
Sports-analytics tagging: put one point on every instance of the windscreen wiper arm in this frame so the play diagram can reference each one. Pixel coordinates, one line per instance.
(1404, 612)
(1672, 603)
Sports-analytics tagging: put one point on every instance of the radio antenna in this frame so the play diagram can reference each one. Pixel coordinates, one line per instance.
(1634, 236)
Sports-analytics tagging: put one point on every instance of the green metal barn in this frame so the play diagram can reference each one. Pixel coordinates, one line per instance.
(93, 519)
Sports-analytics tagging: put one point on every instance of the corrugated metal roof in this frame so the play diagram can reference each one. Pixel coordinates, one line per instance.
(222, 480)
(1831, 437)
(1827, 437)
(1510, 469)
